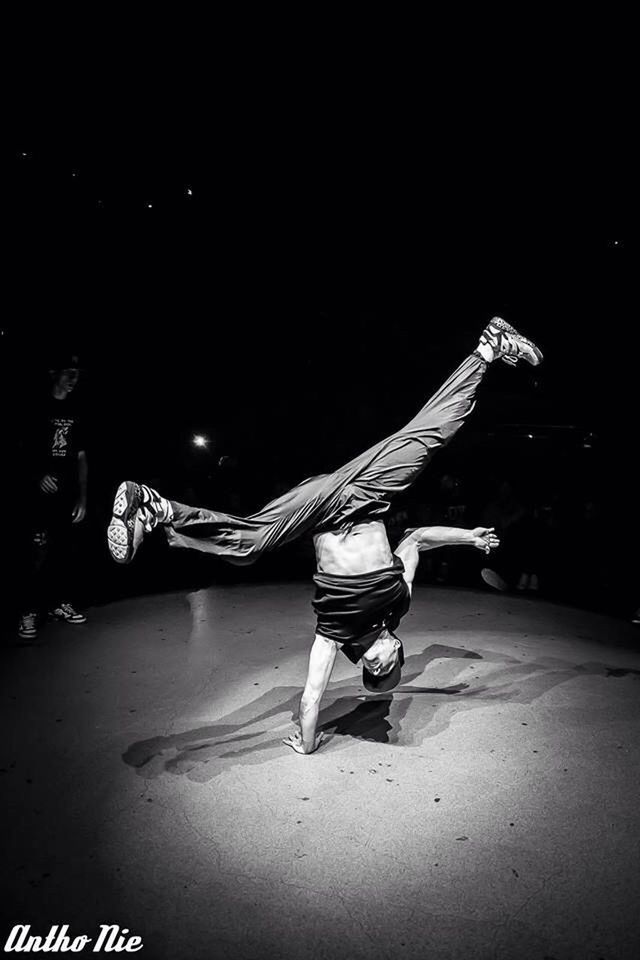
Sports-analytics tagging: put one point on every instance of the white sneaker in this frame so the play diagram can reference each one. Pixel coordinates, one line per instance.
(28, 629)
(67, 612)
(509, 345)
(137, 509)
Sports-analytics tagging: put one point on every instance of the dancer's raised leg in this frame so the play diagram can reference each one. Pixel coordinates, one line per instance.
(361, 489)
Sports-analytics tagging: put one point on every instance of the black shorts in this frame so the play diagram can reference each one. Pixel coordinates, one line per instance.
(353, 610)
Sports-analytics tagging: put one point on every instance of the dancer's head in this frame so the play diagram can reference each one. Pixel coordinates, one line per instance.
(382, 663)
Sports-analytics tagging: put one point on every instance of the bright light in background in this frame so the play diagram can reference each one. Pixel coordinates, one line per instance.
(199, 440)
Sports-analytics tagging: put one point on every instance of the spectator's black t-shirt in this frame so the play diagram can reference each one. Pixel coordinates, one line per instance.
(54, 438)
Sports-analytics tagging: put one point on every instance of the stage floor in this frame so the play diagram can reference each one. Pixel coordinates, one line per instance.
(487, 808)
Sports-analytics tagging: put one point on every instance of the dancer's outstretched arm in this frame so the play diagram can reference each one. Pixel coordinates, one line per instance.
(430, 538)
(321, 661)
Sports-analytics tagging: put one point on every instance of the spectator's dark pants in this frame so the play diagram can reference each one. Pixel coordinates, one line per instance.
(361, 490)
(49, 574)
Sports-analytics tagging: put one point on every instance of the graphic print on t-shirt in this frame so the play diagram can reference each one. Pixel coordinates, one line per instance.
(60, 437)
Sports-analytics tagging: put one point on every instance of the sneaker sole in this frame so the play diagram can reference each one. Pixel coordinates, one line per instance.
(120, 532)
(493, 580)
(503, 325)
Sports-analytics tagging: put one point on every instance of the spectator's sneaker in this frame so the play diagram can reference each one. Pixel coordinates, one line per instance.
(506, 343)
(67, 612)
(493, 579)
(137, 509)
(28, 629)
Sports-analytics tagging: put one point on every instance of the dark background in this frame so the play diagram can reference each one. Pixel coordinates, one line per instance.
(295, 300)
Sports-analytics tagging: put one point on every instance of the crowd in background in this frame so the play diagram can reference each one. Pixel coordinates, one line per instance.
(565, 531)
(564, 545)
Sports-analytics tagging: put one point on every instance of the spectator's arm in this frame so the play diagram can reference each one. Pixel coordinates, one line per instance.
(83, 474)
(80, 509)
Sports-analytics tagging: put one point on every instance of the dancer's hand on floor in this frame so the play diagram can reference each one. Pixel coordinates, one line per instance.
(295, 741)
(484, 538)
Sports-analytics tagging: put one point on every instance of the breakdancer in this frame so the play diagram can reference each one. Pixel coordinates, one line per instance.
(362, 587)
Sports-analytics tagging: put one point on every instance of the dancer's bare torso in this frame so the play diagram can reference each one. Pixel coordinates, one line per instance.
(360, 549)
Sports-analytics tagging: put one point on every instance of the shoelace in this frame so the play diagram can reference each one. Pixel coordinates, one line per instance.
(151, 509)
(148, 510)
(503, 344)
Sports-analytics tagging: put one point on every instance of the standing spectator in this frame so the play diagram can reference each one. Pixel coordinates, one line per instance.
(595, 577)
(54, 461)
(450, 509)
(507, 514)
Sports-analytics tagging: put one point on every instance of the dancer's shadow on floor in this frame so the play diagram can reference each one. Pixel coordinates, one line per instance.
(226, 741)
(253, 733)
(369, 720)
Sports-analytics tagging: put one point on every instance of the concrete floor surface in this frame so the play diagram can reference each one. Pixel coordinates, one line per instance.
(487, 808)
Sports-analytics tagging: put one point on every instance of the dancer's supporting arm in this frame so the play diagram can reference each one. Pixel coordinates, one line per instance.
(321, 660)
(430, 538)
